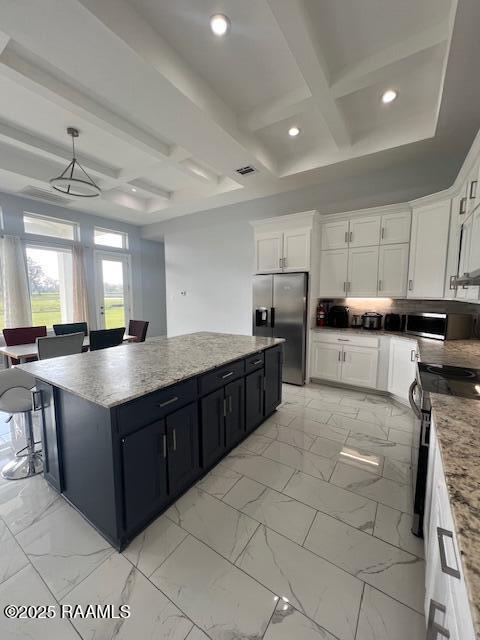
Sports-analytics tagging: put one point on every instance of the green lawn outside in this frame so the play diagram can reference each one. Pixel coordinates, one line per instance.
(46, 311)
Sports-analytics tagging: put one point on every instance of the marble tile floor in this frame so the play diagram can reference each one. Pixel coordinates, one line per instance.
(303, 532)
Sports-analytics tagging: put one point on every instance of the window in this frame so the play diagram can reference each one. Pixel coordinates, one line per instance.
(50, 280)
(108, 238)
(44, 226)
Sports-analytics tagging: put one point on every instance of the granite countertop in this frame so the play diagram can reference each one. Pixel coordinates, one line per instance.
(457, 422)
(110, 377)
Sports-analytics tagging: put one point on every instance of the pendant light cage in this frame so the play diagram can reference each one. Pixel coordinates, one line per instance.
(74, 180)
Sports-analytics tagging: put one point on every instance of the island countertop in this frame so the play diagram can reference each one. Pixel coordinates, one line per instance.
(110, 377)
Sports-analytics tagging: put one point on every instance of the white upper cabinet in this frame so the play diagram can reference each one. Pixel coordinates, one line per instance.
(333, 273)
(364, 231)
(296, 250)
(268, 252)
(362, 272)
(428, 250)
(392, 270)
(470, 235)
(335, 235)
(473, 192)
(395, 228)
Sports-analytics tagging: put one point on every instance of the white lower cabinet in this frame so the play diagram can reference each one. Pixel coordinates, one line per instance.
(393, 270)
(326, 361)
(447, 607)
(402, 366)
(360, 366)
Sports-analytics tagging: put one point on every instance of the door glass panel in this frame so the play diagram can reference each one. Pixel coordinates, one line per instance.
(113, 293)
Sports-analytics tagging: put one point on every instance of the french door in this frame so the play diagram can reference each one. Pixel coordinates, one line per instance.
(113, 289)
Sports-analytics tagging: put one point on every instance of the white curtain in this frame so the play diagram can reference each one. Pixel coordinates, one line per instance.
(17, 310)
(80, 298)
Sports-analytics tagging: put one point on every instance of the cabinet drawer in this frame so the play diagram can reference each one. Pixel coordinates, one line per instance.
(155, 406)
(346, 339)
(254, 362)
(221, 376)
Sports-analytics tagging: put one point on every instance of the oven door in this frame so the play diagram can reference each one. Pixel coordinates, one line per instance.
(427, 325)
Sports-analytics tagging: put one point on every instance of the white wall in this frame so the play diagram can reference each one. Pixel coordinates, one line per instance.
(147, 257)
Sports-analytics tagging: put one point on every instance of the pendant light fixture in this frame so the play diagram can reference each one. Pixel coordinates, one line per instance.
(75, 181)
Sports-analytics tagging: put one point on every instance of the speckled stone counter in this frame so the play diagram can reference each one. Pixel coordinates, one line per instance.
(457, 422)
(110, 377)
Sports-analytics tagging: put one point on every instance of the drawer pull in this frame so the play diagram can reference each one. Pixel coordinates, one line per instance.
(230, 404)
(257, 362)
(167, 402)
(451, 571)
(343, 339)
(164, 438)
(174, 440)
(435, 630)
(227, 375)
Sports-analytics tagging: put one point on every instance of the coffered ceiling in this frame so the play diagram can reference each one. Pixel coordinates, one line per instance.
(168, 112)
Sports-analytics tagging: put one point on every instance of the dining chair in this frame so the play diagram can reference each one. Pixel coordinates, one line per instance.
(104, 338)
(56, 346)
(23, 335)
(138, 328)
(70, 327)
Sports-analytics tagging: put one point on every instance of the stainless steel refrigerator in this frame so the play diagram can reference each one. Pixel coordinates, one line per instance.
(280, 311)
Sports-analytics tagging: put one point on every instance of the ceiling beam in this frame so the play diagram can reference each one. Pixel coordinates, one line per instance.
(145, 185)
(291, 104)
(376, 68)
(291, 18)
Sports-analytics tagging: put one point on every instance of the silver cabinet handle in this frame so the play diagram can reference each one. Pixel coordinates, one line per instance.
(164, 438)
(284, 263)
(257, 362)
(413, 355)
(410, 285)
(339, 356)
(230, 404)
(37, 404)
(280, 263)
(473, 190)
(411, 399)
(343, 339)
(346, 236)
(227, 375)
(224, 407)
(351, 236)
(463, 206)
(345, 287)
(441, 535)
(344, 356)
(167, 402)
(379, 285)
(174, 440)
(382, 233)
(453, 284)
(435, 630)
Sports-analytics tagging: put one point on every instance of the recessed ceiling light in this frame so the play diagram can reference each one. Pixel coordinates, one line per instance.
(134, 190)
(220, 24)
(389, 96)
(293, 131)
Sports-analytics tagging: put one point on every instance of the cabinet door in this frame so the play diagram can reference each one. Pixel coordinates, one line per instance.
(453, 254)
(401, 366)
(333, 273)
(395, 228)
(182, 438)
(45, 400)
(268, 252)
(393, 270)
(212, 427)
(364, 232)
(359, 366)
(273, 379)
(362, 272)
(474, 257)
(473, 193)
(235, 412)
(466, 248)
(253, 400)
(428, 251)
(325, 361)
(296, 250)
(335, 235)
(144, 456)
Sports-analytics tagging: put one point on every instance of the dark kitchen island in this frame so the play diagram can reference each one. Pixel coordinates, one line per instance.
(127, 430)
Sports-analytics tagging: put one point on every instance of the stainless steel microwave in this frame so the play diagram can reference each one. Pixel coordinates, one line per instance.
(440, 326)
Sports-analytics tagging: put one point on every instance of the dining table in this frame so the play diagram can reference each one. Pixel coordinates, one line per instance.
(23, 352)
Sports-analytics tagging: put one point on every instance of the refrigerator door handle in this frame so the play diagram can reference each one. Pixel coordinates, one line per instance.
(272, 317)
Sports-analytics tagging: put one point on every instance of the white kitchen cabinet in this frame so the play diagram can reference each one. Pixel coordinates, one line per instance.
(326, 361)
(333, 273)
(428, 250)
(474, 257)
(456, 219)
(395, 228)
(268, 252)
(359, 366)
(335, 235)
(364, 231)
(362, 272)
(402, 366)
(467, 245)
(473, 193)
(393, 270)
(296, 250)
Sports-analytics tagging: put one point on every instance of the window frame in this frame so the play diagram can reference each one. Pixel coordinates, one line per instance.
(74, 225)
(122, 234)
